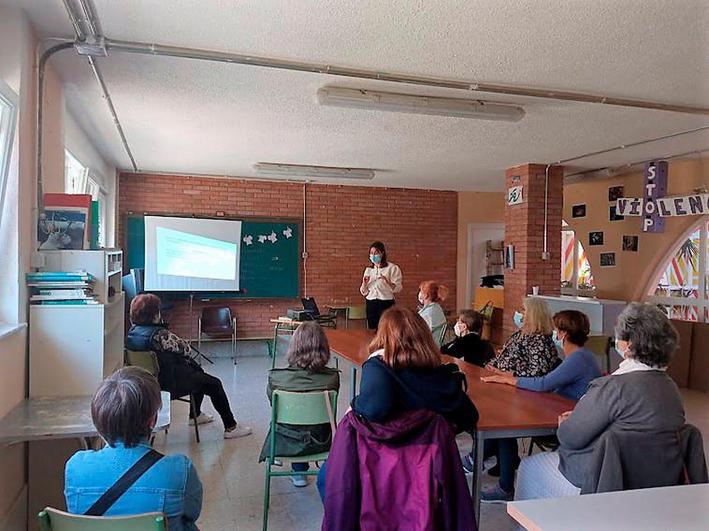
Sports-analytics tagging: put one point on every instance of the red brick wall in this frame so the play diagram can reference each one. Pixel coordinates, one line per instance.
(524, 228)
(419, 228)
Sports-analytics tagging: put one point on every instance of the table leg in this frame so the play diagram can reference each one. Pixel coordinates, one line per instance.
(353, 382)
(272, 349)
(477, 473)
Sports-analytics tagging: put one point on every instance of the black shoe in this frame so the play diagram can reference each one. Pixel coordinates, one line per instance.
(494, 471)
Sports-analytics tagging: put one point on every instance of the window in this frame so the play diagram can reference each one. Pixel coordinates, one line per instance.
(576, 277)
(75, 175)
(98, 194)
(681, 286)
(8, 116)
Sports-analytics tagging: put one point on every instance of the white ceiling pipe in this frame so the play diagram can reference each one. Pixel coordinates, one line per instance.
(285, 64)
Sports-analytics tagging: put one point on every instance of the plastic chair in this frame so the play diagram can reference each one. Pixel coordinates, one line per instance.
(299, 409)
(439, 333)
(54, 520)
(149, 361)
(217, 323)
(601, 345)
(355, 313)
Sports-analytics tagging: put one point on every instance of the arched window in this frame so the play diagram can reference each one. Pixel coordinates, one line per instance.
(681, 284)
(576, 277)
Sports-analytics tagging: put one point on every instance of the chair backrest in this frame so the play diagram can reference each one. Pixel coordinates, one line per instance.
(216, 320)
(302, 408)
(356, 312)
(145, 359)
(601, 346)
(55, 520)
(439, 333)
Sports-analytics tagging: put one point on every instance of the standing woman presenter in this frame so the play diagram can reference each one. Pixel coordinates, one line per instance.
(379, 284)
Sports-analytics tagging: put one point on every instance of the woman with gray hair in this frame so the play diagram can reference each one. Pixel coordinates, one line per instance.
(308, 355)
(127, 476)
(638, 398)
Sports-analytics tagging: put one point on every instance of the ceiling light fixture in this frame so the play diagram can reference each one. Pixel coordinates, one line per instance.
(389, 101)
(311, 172)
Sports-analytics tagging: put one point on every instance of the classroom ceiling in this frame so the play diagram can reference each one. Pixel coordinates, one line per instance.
(187, 116)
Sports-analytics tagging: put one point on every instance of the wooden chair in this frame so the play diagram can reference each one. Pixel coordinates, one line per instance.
(149, 361)
(217, 323)
(54, 520)
(315, 407)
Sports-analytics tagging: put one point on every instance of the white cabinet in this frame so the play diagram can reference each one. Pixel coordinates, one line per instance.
(74, 347)
(602, 313)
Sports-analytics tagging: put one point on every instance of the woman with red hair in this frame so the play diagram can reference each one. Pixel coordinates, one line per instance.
(431, 295)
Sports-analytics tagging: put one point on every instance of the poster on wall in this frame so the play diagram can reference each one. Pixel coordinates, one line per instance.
(595, 238)
(630, 243)
(607, 259)
(613, 214)
(514, 195)
(578, 211)
(615, 193)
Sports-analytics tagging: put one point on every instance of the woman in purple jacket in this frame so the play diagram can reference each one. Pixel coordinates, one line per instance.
(405, 373)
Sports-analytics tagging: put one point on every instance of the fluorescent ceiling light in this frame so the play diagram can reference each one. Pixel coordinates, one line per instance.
(389, 101)
(314, 172)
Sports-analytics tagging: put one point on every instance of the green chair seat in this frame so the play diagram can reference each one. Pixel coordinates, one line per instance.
(54, 520)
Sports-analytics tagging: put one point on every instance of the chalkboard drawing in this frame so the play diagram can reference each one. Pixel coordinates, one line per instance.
(288, 232)
(262, 238)
(272, 237)
(249, 240)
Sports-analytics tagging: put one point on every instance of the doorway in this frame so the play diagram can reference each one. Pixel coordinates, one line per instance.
(478, 236)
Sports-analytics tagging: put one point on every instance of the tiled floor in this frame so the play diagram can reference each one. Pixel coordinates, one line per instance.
(233, 479)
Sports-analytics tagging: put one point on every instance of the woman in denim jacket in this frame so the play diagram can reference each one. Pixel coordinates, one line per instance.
(124, 411)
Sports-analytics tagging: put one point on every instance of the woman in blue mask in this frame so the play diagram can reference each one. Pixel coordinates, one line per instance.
(381, 280)
(579, 368)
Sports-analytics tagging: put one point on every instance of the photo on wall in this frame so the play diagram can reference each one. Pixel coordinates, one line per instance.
(607, 259)
(630, 243)
(578, 211)
(595, 238)
(615, 193)
(613, 214)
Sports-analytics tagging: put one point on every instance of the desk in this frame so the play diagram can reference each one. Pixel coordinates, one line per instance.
(282, 324)
(39, 419)
(505, 411)
(683, 508)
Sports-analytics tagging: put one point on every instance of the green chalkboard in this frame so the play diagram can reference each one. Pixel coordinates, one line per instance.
(269, 269)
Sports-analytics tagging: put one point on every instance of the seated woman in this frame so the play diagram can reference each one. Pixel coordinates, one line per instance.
(529, 352)
(405, 373)
(431, 295)
(124, 411)
(178, 373)
(467, 343)
(308, 355)
(579, 368)
(638, 397)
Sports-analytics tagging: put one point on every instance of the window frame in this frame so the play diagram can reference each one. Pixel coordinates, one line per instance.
(8, 125)
(702, 301)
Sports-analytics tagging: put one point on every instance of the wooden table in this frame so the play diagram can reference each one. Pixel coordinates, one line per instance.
(45, 418)
(505, 411)
(684, 508)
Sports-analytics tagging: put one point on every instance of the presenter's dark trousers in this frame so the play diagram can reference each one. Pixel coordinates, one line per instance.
(375, 309)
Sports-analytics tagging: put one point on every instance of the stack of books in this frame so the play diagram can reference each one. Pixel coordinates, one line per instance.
(61, 287)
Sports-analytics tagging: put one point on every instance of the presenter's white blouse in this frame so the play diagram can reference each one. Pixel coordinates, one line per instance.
(377, 288)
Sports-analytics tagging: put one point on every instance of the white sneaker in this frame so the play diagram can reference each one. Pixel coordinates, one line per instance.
(239, 431)
(299, 480)
(203, 418)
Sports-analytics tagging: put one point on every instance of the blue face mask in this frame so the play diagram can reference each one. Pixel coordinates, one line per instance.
(375, 258)
(559, 342)
(518, 319)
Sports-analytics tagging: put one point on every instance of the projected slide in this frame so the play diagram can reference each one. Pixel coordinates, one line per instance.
(181, 254)
(191, 254)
